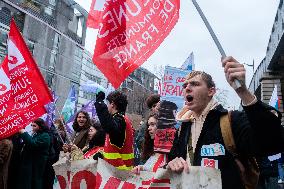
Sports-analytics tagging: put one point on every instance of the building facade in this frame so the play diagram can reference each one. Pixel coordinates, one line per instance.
(89, 72)
(55, 32)
(138, 86)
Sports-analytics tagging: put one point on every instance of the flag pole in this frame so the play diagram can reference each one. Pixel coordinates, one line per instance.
(57, 130)
(63, 123)
(214, 37)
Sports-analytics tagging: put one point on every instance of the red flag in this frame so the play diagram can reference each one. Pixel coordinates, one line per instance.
(28, 92)
(95, 13)
(5, 89)
(129, 33)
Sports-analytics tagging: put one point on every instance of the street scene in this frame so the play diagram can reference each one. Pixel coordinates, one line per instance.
(141, 94)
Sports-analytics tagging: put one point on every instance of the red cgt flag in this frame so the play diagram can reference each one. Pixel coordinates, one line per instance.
(24, 92)
(129, 33)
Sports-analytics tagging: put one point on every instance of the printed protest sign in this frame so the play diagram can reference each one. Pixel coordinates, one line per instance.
(79, 174)
(171, 85)
(129, 33)
(164, 139)
(87, 174)
(164, 136)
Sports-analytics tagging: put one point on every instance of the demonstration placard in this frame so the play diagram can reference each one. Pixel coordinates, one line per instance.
(87, 174)
(171, 86)
(165, 134)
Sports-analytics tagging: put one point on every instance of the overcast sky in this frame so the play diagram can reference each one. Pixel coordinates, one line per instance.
(242, 26)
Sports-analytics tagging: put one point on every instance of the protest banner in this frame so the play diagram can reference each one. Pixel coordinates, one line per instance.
(129, 33)
(165, 134)
(171, 86)
(86, 174)
(164, 139)
(79, 174)
(28, 92)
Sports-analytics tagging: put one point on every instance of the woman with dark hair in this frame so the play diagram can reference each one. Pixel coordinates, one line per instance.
(81, 127)
(96, 138)
(153, 159)
(34, 156)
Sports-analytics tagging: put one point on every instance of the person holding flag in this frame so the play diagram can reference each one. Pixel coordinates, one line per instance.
(204, 142)
(118, 149)
(34, 156)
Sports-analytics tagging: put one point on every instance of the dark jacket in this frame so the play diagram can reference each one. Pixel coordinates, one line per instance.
(34, 157)
(6, 147)
(15, 161)
(256, 130)
(80, 138)
(114, 125)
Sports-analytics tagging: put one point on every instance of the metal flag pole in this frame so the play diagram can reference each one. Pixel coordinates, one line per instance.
(65, 125)
(214, 37)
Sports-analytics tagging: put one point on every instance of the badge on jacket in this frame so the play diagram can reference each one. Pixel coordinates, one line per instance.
(213, 150)
(205, 162)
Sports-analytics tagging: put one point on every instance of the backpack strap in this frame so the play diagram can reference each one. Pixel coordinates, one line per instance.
(227, 134)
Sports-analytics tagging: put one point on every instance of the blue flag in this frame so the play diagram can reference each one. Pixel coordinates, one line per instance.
(274, 100)
(189, 63)
(69, 107)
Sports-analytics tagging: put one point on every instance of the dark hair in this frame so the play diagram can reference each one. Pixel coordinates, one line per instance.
(148, 146)
(42, 126)
(205, 77)
(99, 138)
(119, 99)
(76, 126)
(152, 99)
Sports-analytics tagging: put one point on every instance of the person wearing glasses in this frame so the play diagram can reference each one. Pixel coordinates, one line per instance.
(34, 156)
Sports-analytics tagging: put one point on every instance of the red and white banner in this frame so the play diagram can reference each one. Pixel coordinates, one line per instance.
(23, 92)
(129, 33)
(90, 174)
(76, 174)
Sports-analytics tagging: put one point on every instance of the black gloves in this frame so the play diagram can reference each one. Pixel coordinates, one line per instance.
(100, 96)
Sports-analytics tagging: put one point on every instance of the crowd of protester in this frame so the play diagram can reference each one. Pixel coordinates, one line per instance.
(26, 160)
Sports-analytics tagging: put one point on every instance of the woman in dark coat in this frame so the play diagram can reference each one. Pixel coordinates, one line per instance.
(34, 156)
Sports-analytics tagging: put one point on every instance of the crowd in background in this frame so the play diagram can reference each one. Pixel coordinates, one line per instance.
(26, 160)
